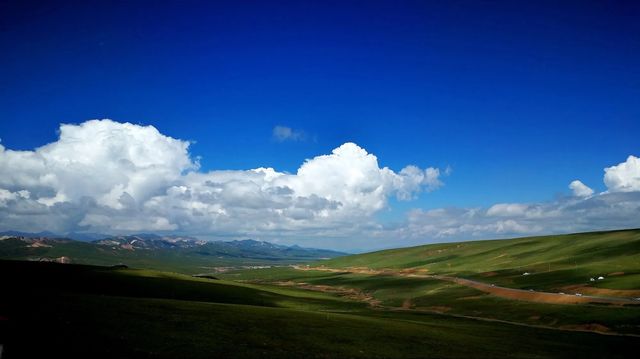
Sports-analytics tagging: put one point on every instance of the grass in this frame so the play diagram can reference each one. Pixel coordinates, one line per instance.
(553, 261)
(89, 311)
(190, 261)
(168, 329)
(438, 295)
(86, 311)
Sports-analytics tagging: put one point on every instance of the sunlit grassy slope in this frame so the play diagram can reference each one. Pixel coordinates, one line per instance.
(551, 261)
(85, 311)
(428, 294)
(563, 263)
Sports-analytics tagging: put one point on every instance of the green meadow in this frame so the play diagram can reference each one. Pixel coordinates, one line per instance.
(87, 311)
(333, 311)
(556, 264)
(551, 261)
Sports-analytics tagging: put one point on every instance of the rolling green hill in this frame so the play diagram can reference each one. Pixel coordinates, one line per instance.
(551, 262)
(105, 312)
(556, 291)
(407, 302)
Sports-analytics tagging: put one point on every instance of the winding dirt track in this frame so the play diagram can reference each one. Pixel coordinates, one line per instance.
(511, 293)
(533, 296)
(503, 292)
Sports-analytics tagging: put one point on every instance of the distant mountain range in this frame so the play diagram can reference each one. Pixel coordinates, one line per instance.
(85, 237)
(178, 253)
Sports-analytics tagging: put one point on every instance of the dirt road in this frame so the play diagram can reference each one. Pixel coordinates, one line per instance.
(503, 292)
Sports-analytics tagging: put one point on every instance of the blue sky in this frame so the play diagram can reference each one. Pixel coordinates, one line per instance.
(517, 98)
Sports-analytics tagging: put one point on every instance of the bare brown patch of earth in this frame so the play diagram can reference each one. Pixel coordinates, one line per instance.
(436, 308)
(623, 293)
(592, 327)
(349, 293)
(472, 297)
(407, 304)
(39, 244)
(516, 294)
(414, 271)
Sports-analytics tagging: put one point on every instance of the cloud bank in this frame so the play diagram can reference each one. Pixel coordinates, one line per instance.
(105, 176)
(565, 215)
(110, 177)
(616, 208)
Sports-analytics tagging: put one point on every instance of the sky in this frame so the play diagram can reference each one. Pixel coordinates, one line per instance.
(353, 125)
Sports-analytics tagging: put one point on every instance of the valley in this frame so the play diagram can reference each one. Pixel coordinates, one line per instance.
(443, 300)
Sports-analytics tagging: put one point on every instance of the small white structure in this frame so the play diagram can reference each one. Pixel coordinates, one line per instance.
(600, 278)
(526, 273)
(578, 295)
(592, 279)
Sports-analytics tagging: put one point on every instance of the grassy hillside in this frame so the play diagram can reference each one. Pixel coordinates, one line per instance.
(404, 279)
(552, 262)
(437, 296)
(85, 311)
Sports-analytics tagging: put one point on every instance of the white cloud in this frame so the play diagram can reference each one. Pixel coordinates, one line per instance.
(98, 159)
(617, 208)
(624, 177)
(6, 196)
(105, 176)
(565, 215)
(284, 133)
(330, 192)
(110, 176)
(507, 209)
(580, 189)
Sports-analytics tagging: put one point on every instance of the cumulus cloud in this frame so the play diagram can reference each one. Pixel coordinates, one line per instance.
(103, 160)
(103, 175)
(333, 192)
(565, 215)
(616, 208)
(580, 189)
(507, 209)
(624, 177)
(284, 133)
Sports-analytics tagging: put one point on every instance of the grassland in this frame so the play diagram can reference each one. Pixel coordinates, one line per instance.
(86, 311)
(378, 305)
(432, 295)
(191, 260)
(553, 262)
(410, 279)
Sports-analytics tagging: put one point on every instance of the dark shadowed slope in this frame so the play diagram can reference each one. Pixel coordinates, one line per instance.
(84, 311)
